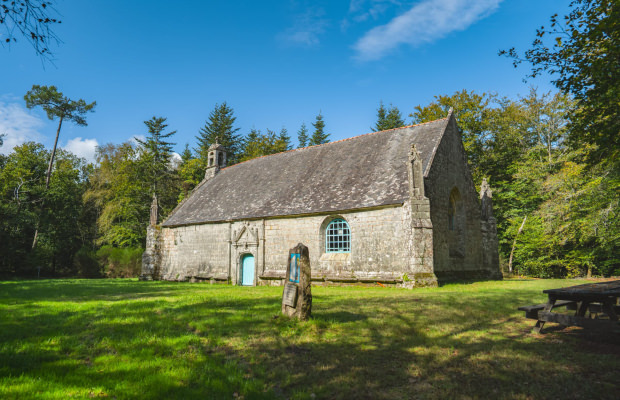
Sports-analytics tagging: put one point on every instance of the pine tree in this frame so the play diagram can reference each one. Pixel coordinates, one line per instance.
(388, 119)
(186, 154)
(319, 136)
(251, 145)
(283, 142)
(220, 127)
(302, 135)
(155, 153)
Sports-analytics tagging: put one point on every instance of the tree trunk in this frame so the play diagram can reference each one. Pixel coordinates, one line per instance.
(514, 244)
(47, 181)
(49, 168)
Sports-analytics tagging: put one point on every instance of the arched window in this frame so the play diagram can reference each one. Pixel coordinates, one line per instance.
(338, 237)
(452, 213)
(456, 225)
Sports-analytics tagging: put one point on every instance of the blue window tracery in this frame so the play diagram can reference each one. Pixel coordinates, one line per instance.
(338, 237)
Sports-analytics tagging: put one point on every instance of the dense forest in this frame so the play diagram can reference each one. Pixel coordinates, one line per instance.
(551, 159)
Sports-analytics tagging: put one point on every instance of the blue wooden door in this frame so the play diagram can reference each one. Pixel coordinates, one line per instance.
(247, 270)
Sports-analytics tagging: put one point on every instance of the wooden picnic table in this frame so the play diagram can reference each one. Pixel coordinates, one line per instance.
(599, 300)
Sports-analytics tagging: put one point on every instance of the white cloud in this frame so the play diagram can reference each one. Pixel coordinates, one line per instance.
(361, 12)
(426, 21)
(175, 160)
(18, 125)
(306, 28)
(84, 148)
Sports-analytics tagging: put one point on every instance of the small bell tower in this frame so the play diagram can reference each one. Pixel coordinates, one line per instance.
(216, 159)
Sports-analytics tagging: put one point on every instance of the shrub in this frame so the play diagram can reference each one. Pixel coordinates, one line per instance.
(86, 263)
(120, 262)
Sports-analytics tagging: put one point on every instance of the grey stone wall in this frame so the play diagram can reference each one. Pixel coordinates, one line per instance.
(457, 245)
(195, 251)
(382, 248)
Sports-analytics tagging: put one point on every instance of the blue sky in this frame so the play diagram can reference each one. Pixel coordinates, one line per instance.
(277, 63)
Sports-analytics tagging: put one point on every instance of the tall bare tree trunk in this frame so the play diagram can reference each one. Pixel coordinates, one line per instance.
(47, 181)
(514, 244)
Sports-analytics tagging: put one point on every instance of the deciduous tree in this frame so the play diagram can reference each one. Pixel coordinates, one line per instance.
(581, 52)
(56, 105)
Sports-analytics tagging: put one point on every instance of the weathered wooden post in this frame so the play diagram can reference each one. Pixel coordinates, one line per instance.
(297, 294)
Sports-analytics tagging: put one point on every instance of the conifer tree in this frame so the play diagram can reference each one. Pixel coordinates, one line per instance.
(283, 142)
(251, 145)
(319, 136)
(186, 154)
(388, 119)
(220, 126)
(302, 136)
(155, 154)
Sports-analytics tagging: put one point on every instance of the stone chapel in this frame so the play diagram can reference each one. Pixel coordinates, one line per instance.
(397, 207)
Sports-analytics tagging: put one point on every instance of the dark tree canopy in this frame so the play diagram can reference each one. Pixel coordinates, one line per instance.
(31, 19)
(581, 51)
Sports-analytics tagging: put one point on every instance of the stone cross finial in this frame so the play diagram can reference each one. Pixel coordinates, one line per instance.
(416, 176)
(154, 210)
(486, 196)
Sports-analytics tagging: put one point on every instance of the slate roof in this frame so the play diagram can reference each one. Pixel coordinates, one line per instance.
(364, 171)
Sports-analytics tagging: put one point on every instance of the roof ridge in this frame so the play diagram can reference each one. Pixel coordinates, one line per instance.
(337, 141)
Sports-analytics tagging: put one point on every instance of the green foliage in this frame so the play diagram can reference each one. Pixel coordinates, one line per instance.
(121, 195)
(220, 127)
(186, 154)
(191, 173)
(122, 185)
(388, 119)
(283, 143)
(56, 105)
(64, 222)
(318, 136)
(581, 191)
(581, 52)
(302, 136)
(155, 155)
(120, 262)
(86, 263)
(473, 113)
(257, 144)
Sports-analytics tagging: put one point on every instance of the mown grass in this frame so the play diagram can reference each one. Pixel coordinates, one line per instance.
(149, 340)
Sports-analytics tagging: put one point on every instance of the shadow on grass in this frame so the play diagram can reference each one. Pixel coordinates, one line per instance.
(154, 340)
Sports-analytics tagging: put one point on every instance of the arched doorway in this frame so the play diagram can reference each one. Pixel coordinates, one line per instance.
(247, 270)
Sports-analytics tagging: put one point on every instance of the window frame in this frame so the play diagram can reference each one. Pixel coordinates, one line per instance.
(344, 238)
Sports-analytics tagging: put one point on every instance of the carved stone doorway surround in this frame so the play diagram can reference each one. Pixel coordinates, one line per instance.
(245, 241)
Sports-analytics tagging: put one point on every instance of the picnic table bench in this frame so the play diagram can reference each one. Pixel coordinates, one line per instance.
(599, 300)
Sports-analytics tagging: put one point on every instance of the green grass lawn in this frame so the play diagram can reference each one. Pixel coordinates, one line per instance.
(127, 339)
